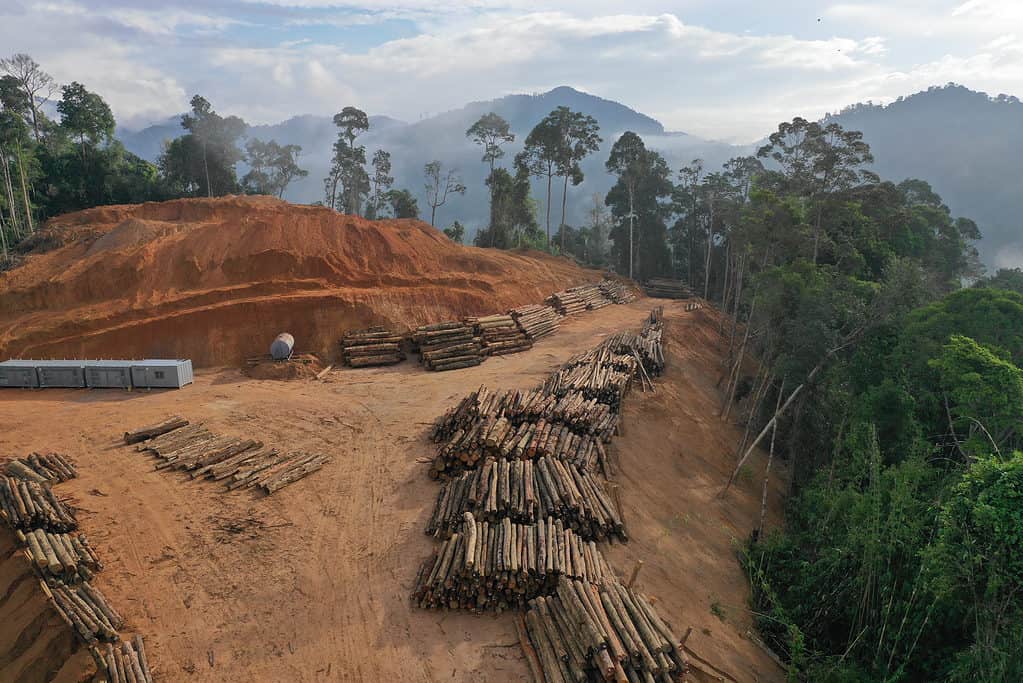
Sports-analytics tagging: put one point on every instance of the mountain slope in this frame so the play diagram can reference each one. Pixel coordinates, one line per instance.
(967, 145)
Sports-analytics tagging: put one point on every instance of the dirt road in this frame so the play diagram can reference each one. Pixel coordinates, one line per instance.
(312, 583)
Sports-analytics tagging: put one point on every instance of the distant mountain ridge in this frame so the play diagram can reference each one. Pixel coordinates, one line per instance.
(966, 144)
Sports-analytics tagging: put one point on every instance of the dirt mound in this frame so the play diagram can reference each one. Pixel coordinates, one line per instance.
(215, 280)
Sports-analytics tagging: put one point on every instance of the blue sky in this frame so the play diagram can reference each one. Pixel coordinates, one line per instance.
(720, 69)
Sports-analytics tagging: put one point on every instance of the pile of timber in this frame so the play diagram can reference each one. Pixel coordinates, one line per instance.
(372, 347)
(601, 633)
(499, 439)
(125, 664)
(154, 430)
(27, 505)
(568, 302)
(616, 292)
(603, 383)
(583, 415)
(666, 288)
(500, 335)
(65, 558)
(535, 320)
(486, 566)
(527, 491)
(448, 346)
(236, 463)
(51, 467)
(86, 611)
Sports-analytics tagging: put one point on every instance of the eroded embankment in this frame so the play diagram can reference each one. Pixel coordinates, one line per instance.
(35, 643)
(215, 279)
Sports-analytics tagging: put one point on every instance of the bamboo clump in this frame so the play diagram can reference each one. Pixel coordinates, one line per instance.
(527, 491)
(503, 565)
(372, 347)
(51, 467)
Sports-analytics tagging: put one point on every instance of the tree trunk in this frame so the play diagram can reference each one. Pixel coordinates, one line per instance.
(24, 193)
(564, 200)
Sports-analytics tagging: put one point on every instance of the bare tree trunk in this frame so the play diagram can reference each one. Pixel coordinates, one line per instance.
(24, 192)
(767, 470)
(564, 200)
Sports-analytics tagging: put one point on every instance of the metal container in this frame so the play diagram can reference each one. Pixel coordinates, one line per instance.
(158, 372)
(108, 373)
(61, 373)
(18, 373)
(282, 346)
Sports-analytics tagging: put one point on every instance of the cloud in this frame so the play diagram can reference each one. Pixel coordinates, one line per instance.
(266, 60)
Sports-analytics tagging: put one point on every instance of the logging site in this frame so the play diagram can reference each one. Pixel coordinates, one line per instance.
(327, 353)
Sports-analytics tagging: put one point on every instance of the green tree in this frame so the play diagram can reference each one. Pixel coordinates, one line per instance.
(455, 232)
(272, 167)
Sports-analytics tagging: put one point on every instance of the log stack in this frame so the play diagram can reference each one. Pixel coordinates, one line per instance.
(666, 288)
(64, 558)
(124, 664)
(584, 632)
(499, 335)
(498, 566)
(527, 491)
(236, 463)
(372, 347)
(448, 346)
(28, 505)
(86, 611)
(51, 467)
(535, 320)
(616, 292)
(567, 302)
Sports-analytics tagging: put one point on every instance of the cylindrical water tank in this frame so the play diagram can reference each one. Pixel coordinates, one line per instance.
(282, 347)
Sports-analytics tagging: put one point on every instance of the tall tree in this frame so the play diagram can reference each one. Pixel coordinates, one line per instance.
(440, 184)
(348, 165)
(272, 167)
(381, 181)
(202, 162)
(36, 85)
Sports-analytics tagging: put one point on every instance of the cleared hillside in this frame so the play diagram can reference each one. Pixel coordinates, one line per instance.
(215, 279)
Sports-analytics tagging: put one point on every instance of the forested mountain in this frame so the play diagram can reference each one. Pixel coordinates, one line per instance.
(967, 145)
(442, 137)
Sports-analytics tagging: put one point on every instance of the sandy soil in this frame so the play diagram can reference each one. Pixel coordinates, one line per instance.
(312, 583)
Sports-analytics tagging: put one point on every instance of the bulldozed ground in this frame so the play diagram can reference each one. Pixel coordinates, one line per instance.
(312, 583)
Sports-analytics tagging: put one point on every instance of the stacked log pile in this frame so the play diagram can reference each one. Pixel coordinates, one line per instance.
(86, 611)
(448, 346)
(616, 292)
(65, 558)
(372, 347)
(236, 463)
(568, 302)
(602, 633)
(486, 566)
(27, 505)
(666, 288)
(500, 335)
(527, 491)
(125, 664)
(51, 467)
(536, 321)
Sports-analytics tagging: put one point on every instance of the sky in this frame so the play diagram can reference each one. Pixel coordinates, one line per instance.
(719, 69)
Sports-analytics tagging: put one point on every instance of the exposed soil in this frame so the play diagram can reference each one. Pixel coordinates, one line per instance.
(215, 280)
(312, 583)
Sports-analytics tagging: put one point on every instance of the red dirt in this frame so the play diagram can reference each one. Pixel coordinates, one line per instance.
(215, 280)
(315, 585)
